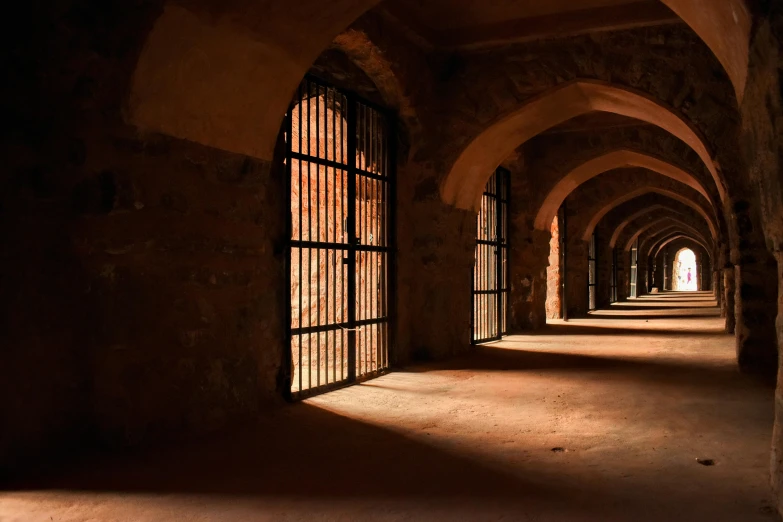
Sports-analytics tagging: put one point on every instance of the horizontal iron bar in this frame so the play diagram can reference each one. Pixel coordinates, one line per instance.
(335, 165)
(302, 394)
(331, 327)
(495, 196)
(502, 244)
(295, 243)
(487, 340)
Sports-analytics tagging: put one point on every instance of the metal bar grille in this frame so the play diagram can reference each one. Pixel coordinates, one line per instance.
(592, 275)
(490, 269)
(634, 267)
(341, 239)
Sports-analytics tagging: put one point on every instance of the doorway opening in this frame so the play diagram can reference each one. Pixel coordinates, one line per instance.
(341, 189)
(684, 271)
(490, 265)
(614, 294)
(634, 270)
(592, 275)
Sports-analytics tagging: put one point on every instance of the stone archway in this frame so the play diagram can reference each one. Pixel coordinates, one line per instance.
(684, 271)
(644, 190)
(463, 185)
(604, 163)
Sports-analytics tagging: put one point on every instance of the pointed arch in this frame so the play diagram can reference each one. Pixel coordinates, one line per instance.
(465, 182)
(670, 225)
(627, 221)
(645, 190)
(724, 25)
(606, 162)
(223, 77)
(677, 236)
(666, 219)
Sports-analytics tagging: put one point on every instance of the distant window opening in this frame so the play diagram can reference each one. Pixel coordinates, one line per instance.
(634, 264)
(341, 182)
(592, 275)
(684, 271)
(553, 287)
(490, 267)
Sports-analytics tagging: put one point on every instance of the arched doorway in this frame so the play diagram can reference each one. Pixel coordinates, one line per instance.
(554, 280)
(684, 271)
(490, 267)
(341, 238)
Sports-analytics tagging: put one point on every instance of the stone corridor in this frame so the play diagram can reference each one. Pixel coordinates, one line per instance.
(601, 418)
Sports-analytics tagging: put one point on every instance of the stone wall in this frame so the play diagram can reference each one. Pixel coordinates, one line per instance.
(145, 274)
(553, 274)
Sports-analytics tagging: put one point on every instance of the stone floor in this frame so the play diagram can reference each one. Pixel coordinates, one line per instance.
(599, 419)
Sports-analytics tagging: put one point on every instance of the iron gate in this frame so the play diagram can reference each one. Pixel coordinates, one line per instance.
(634, 267)
(340, 259)
(490, 276)
(592, 275)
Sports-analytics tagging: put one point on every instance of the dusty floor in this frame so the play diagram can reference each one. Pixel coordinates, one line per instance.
(632, 396)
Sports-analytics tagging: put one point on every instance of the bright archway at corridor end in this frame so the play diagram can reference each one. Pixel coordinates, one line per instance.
(684, 271)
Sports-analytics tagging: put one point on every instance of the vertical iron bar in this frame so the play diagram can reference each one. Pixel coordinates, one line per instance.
(564, 251)
(299, 162)
(499, 179)
(351, 265)
(318, 230)
(333, 291)
(289, 361)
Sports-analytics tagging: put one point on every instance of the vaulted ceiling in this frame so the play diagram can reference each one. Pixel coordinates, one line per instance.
(478, 23)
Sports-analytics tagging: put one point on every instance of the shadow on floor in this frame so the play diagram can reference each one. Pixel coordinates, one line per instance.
(302, 451)
(571, 328)
(656, 371)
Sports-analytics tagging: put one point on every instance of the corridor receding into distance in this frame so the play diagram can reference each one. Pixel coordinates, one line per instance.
(576, 423)
(395, 260)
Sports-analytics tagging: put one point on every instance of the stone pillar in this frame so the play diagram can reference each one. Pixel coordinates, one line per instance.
(641, 277)
(576, 274)
(728, 299)
(603, 271)
(622, 275)
(754, 305)
(554, 274)
(659, 272)
(776, 459)
(714, 287)
(436, 244)
(529, 258)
